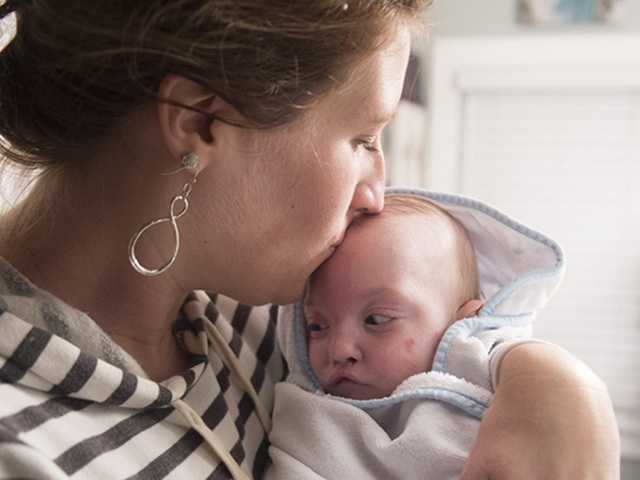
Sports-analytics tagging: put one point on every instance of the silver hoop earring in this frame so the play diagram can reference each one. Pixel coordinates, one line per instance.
(188, 162)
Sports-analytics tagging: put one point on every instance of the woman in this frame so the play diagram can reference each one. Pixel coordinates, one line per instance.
(224, 145)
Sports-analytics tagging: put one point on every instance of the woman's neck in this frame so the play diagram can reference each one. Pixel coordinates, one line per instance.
(77, 250)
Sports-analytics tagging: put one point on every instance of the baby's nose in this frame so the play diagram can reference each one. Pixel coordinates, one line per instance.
(345, 349)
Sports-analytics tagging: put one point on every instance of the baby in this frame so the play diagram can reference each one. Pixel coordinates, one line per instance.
(377, 309)
(394, 352)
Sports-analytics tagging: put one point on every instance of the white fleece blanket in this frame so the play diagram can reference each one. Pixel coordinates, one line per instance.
(413, 437)
(427, 427)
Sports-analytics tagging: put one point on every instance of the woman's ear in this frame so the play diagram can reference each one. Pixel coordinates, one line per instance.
(186, 112)
(469, 309)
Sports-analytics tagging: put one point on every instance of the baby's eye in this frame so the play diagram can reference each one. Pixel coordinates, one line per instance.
(315, 330)
(376, 320)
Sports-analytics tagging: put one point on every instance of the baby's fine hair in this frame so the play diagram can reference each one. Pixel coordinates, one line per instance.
(467, 267)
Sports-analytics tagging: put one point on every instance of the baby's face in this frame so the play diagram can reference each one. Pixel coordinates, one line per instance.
(377, 309)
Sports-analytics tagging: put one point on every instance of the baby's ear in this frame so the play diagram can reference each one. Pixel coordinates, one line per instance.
(469, 309)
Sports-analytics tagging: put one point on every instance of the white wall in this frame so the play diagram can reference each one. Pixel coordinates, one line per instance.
(476, 17)
(13, 185)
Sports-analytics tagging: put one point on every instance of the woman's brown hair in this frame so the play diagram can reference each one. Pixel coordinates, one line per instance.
(76, 67)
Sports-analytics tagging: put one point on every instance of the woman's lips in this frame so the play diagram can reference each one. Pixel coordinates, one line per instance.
(330, 250)
(333, 246)
(339, 240)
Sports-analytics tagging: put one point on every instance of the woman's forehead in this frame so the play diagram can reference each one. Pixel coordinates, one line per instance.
(374, 88)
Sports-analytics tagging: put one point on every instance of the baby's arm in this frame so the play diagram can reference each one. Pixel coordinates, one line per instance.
(551, 417)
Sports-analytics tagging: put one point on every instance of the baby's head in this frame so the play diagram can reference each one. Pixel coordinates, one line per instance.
(376, 310)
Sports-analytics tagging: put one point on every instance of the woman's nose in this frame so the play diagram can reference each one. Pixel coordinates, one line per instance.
(369, 194)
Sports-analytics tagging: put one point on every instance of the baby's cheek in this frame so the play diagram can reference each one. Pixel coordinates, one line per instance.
(409, 344)
(417, 355)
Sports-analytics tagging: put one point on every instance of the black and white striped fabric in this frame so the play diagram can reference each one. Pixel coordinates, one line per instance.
(74, 405)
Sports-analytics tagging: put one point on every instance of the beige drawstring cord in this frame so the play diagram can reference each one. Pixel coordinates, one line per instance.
(231, 361)
(197, 309)
(222, 348)
(214, 442)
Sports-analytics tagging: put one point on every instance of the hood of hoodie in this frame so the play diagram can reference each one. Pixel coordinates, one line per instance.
(519, 270)
(50, 346)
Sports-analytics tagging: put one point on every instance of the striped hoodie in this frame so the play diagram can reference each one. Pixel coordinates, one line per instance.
(73, 404)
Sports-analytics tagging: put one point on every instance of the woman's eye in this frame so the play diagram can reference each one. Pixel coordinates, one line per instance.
(376, 320)
(370, 144)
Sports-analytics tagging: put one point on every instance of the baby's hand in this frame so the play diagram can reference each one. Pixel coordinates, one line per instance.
(551, 418)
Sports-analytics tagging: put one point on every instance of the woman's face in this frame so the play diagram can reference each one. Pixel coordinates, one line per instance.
(287, 195)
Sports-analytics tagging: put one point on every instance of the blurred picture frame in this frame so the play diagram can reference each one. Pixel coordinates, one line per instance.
(567, 12)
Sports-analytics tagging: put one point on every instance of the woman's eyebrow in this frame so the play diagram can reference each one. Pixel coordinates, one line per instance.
(384, 118)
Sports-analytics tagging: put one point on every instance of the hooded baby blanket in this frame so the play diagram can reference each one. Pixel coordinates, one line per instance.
(427, 426)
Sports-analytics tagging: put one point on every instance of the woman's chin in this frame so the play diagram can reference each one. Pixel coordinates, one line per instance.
(287, 298)
(284, 293)
(289, 289)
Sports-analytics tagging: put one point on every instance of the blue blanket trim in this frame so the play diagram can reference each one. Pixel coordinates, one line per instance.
(504, 293)
(471, 327)
(299, 330)
(468, 405)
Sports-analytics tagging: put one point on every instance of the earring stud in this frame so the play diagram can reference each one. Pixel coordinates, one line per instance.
(189, 161)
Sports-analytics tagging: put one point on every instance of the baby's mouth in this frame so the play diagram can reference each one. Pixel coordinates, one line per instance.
(349, 387)
(344, 379)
